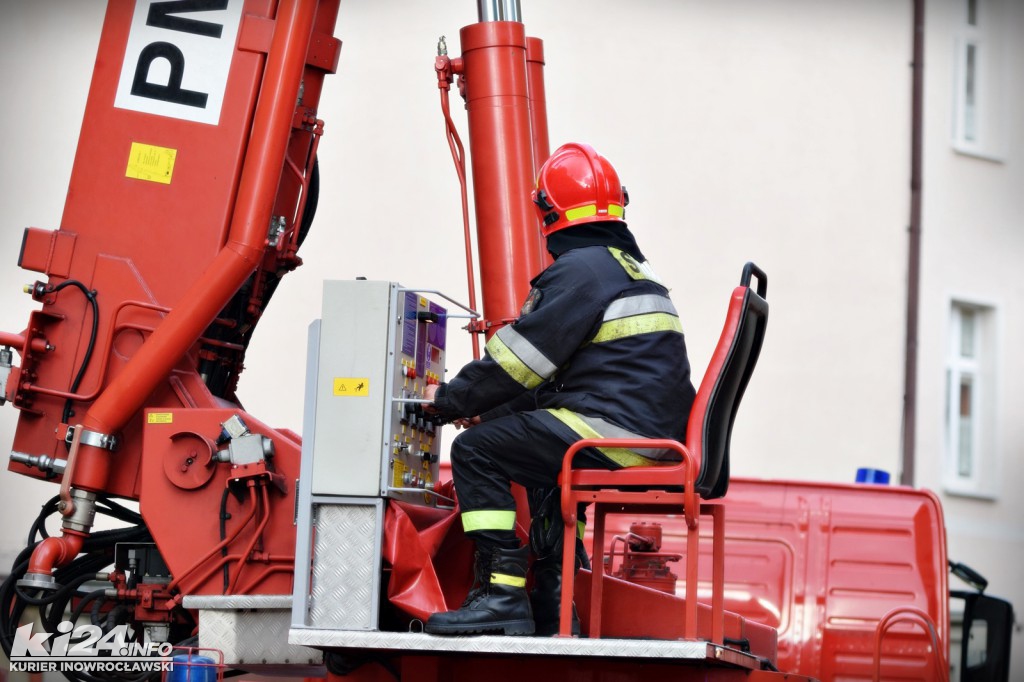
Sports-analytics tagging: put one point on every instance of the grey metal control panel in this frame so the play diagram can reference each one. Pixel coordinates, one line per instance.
(380, 346)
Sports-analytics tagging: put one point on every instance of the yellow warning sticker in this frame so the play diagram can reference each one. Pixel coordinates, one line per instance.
(160, 418)
(352, 386)
(152, 163)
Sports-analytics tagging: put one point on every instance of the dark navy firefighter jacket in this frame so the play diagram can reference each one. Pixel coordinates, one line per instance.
(598, 349)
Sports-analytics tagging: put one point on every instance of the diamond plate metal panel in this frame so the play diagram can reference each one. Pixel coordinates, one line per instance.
(258, 636)
(346, 567)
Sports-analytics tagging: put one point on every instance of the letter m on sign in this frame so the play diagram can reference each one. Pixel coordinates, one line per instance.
(164, 15)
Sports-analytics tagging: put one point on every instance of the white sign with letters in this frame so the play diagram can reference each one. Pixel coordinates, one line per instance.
(178, 57)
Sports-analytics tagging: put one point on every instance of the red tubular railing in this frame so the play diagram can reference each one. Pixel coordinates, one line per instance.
(590, 490)
(910, 614)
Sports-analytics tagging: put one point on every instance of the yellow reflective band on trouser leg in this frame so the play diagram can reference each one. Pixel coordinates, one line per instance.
(510, 580)
(488, 519)
(621, 456)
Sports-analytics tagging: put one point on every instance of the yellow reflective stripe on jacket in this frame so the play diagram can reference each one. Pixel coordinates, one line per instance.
(637, 324)
(591, 210)
(592, 427)
(488, 519)
(510, 580)
(519, 358)
(581, 529)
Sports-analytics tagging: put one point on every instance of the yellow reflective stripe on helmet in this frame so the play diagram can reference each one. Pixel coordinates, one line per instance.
(488, 519)
(590, 210)
(510, 580)
(512, 364)
(585, 427)
(637, 324)
(581, 212)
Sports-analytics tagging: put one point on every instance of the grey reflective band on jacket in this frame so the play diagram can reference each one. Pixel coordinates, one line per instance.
(523, 361)
(638, 305)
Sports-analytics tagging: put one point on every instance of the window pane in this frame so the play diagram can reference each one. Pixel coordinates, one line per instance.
(970, 70)
(968, 320)
(965, 450)
(977, 644)
(949, 386)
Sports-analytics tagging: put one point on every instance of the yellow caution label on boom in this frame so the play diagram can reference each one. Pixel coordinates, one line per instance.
(152, 163)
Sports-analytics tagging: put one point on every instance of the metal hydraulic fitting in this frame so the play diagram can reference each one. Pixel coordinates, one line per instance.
(244, 447)
(249, 449)
(83, 510)
(44, 463)
(38, 581)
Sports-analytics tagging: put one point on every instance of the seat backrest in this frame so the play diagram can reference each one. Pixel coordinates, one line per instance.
(709, 428)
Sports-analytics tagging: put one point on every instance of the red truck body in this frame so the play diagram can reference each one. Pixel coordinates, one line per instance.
(823, 563)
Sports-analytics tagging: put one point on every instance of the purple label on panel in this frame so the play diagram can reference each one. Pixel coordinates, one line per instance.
(409, 325)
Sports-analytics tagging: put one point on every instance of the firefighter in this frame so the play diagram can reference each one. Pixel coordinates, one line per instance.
(597, 351)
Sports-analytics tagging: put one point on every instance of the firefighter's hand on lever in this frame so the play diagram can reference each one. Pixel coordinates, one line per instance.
(460, 423)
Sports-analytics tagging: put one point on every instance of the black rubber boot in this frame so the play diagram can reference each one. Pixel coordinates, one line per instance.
(500, 603)
(546, 595)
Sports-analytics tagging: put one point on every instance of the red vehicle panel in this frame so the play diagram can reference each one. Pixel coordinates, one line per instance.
(823, 563)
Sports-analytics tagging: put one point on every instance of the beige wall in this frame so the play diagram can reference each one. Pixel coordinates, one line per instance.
(745, 130)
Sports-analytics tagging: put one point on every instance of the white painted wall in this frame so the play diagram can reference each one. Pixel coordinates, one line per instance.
(745, 130)
(973, 243)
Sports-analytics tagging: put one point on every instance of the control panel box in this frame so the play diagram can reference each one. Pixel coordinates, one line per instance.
(379, 347)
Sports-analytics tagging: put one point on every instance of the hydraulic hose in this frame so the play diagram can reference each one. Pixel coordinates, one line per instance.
(459, 157)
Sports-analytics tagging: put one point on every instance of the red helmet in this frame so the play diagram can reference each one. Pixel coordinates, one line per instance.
(575, 186)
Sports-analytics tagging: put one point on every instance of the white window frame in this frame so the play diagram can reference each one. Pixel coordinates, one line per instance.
(981, 477)
(977, 130)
